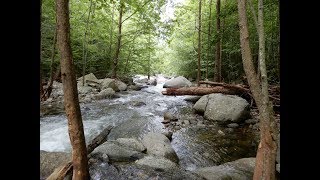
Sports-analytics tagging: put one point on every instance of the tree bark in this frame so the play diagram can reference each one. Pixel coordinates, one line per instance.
(200, 91)
(266, 155)
(49, 89)
(116, 57)
(127, 62)
(41, 87)
(111, 31)
(65, 169)
(149, 59)
(71, 101)
(238, 87)
(209, 39)
(217, 72)
(199, 45)
(84, 48)
(265, 159)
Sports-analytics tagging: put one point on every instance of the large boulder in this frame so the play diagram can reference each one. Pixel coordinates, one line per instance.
(177, 82)
(132, 143)
(159, 145)
(105, 93)
(49, 161)
(158, 162)
(116, 85)
(121, 86)
(117, 152)
(126, 79)
(109, 83)
(201, 105)
(84, 89)
(223, 108)
(135, 127)
(51, 108)
(135, 87)
(241, 169)
(89, 78)
(141, 171)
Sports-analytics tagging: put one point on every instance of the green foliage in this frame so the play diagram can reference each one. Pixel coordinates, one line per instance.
(183, 41)
(141, 19)
(161, 45)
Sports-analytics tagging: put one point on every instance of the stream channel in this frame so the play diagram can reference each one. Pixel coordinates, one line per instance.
(196, 145)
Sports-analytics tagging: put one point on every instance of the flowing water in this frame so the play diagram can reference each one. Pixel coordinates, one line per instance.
(196, 146)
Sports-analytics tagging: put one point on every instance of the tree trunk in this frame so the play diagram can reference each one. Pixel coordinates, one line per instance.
(199, 45)
(231, 86)
(200, 91)
(266, 155)
(111, 31)
(265, 159)
(116, 57)
(84, 48)
(149, 57)
(57, 76)
(49, 88)
(127, 62)
(217, 72)
(71, 101)
(209, 39)
(254, 14)
(41, 87)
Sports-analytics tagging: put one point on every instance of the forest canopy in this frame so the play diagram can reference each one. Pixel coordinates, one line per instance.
(158, 37)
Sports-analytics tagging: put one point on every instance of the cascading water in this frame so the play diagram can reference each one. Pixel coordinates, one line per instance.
(195, 146)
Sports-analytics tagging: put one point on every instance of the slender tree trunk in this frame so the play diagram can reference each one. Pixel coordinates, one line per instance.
(111, 31)
(49, 88)
(149, 57)
(116, 57)
(199, 45)
(265, 159)
(221, 38)
(84, 47)
(209, 39)
(266, 155)
(254, 14)
(125, 67)
(278, 49)
(71, 101)
(41, 87)
(255, 20)
(217, 72)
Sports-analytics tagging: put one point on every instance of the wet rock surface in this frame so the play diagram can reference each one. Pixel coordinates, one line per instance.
(196, 141)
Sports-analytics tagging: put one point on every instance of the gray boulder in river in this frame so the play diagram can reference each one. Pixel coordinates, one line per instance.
(49, 161)
(177, 82)
(159, 145)
(117, 152)
(223, 108)
(241, 169)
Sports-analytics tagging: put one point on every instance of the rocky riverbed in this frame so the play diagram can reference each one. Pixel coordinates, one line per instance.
(154, 136)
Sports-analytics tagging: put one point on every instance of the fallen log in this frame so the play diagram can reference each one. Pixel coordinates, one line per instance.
(64, 170)
(200, 91)
(231, 86)
(218, 88)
